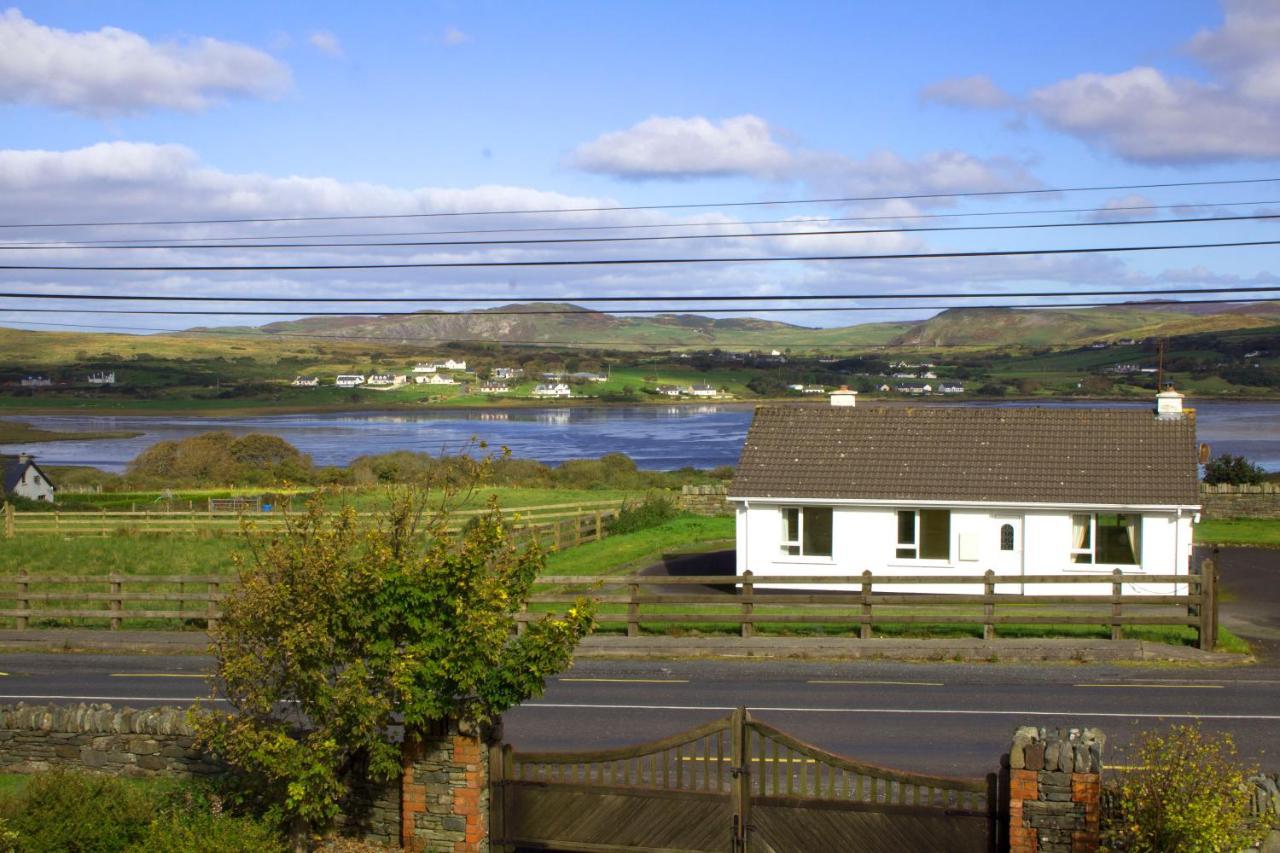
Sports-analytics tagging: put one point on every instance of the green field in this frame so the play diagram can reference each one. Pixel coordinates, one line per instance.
(1258, 532)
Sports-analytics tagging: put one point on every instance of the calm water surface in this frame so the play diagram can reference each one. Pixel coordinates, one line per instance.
(659, 438)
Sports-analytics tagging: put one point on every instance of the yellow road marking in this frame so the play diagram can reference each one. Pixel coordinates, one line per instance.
(886, 683)
(1159, 686)
(629, 680)
(155, 675)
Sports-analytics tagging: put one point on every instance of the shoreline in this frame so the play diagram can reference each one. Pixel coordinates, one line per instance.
(268, 409)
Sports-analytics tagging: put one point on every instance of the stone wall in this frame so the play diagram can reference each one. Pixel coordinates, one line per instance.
(705, 500)
(1224, 501)
(1266, 807)
(1055, 790)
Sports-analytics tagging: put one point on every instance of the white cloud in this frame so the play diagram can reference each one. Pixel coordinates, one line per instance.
(675, 147)
(978, 90)
(113, 72)
(1146, 115)
(1124, 208)
(327, 43)
(454, 36)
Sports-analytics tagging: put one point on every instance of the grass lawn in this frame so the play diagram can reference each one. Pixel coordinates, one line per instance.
(629, 552)
(1261, 532)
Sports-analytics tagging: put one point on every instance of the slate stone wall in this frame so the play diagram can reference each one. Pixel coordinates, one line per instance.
(705, 500)
(1223, 501)
(1055, 790)
(446, 790)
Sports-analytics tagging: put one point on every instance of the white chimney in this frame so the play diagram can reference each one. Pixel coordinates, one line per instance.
(844, 396)
(1168, 403)
(24, 458)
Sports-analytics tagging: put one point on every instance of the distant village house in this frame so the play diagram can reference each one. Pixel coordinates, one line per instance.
(552, 389)
(35, 382)
(21, 477)
(349, 380)
(102, 377)
(305, 381)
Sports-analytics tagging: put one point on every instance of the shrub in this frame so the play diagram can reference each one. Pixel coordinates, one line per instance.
(1188, 794)
(207, 832)
(653, 510)
(62, 812)
(1233, 470)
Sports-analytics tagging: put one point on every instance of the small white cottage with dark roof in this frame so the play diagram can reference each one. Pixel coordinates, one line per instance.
(942, 490)
(21, 477)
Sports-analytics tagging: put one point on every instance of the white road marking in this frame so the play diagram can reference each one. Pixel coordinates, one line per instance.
(882, 683)
(627, 680)
(157, 675)
(1169, 686)
(920, 711)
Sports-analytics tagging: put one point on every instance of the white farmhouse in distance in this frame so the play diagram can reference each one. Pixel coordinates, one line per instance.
(102, 377)
(21, 477)
(552, 389)
(434, 379)
(305, 381)
(945, 490)
(423, 367)
(349, 380)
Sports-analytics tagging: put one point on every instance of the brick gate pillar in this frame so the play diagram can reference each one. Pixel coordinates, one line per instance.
(444, 799)
(1055, 790)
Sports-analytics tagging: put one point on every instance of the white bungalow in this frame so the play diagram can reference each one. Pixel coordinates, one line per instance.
(102, 377)
(668, 391)
(937, 491)
(349, 380)
(552, 389)
(506, 373)
(701, 391)
(35, 382)
(21, 477)
(387, 380)
(493, 388)
(305, 381)
(434, 379)
(951, 388)
(450, 364)
(423, 367)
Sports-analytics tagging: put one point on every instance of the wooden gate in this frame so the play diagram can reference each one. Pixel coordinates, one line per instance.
(735, 784)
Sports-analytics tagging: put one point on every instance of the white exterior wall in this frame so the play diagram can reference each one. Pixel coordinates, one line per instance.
(864, 538)
(33, 487)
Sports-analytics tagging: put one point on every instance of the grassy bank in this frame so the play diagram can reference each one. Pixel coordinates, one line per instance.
(17, 432)
(629, 552)
(1257, 532)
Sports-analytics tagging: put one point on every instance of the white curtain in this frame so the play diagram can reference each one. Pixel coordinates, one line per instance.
(1131, 523)
(1080, 539)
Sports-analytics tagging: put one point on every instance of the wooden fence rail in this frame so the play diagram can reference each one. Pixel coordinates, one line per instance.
(107, 522)
(116, 597)
(1191, 601)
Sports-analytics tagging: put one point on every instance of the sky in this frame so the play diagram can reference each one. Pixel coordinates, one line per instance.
(134, 112)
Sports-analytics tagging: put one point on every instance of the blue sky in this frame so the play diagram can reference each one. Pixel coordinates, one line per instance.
(129, 111)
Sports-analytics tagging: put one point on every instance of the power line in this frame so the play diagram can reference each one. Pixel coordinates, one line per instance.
(1003, 253)
(611, 208)
(182, 242)
(772, 297)
(1018, 226)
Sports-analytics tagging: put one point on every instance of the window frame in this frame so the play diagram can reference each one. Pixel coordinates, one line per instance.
(786, 543)
(916, 544)
(1091, 551)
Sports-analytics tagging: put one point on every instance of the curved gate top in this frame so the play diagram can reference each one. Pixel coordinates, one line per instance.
(734, 784)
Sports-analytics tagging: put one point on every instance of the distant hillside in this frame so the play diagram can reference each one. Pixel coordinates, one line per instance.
(528, 323)
(1077, 326)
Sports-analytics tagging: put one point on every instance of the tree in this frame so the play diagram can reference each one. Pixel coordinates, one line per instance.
(341, 629)
(1233, 470)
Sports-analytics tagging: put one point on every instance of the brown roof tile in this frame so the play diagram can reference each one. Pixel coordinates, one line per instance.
(1022, 455)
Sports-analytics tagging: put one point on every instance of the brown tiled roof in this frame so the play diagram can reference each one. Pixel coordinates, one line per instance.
(1021, 455)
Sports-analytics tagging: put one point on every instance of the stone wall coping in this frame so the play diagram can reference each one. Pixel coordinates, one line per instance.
(1057, 750)
(1229, 489)
(96, 719)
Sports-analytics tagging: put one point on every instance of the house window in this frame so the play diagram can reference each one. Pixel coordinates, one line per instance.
(1006, 537)
(1106, 538)
(806, 531)
(924, 534)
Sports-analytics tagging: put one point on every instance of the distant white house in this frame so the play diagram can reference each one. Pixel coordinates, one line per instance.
(387, 380)
(35, 382)
(305, 381)
(21, 477)
(349, 380)
(953, 491)
(589, 377)
(701, 391)
(493, 388)
(506, 373)
(552, 389)
(450, 364)
(102, 377)
(434, 379)
(951, 388)
(813, 389)
(668, 391)
(914, 389)
(423, 367)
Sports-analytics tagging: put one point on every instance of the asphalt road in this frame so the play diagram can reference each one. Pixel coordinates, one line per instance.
(943, 718)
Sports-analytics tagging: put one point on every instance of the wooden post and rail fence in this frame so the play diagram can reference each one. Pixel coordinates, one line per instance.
(640, 601)
(228, 518)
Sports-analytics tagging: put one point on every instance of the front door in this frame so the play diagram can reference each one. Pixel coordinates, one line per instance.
(1008, 544)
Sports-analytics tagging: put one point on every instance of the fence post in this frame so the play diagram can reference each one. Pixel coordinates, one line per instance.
(23, 603)
(521, 624)
(599, 526)
(748, 604)
(57, 522)
(116, 604)
(8, 521)
(1208, 604)
(633, 610)
(865, 631)
(211, 609)
(104, 522)
(989, 605)
(1117, 597)
(182, 602)
(555, 527)
(577, 527)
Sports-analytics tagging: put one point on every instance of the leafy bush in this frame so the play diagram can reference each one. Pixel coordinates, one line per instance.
(653, 510)
(207, 832)
(1233, 470)
(1188, 794)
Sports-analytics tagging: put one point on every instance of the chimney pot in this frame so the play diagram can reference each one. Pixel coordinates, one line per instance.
(1168, 403)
